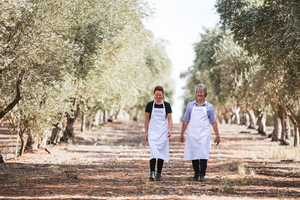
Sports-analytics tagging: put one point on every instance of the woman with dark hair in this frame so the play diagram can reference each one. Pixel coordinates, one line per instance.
(157, 132)
(199, 115)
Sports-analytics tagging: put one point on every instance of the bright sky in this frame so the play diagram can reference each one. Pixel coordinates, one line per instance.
(180, 23)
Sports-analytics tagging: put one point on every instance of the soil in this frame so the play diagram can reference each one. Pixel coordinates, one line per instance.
(112, 162)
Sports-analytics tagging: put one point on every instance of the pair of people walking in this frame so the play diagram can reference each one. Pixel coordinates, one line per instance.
(198, 117)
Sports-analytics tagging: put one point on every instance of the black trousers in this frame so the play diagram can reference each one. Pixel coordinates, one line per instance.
(160, 163)
(203, 166)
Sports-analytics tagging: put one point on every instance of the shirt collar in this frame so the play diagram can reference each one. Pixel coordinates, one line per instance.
(195, 102)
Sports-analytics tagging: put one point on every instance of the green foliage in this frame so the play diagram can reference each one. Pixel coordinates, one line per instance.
(203, 70)
(270, 30)
(94, 52)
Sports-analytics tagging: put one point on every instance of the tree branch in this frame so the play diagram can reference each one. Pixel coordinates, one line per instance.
(17, 98)
(294, 118)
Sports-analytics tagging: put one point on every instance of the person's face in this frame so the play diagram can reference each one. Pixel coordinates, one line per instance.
(158, 95)
(200, 94)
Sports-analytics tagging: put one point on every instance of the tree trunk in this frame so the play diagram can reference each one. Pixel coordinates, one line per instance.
(117, 113)
(16, 99)
(69, 134)
(296, 136)
(104, 116)
(277, 126)
(88, 121)
(226, 116)
(295, 119)
(29, 144)
(21, 135)
(83, 121)
(43, 141)
(236, 114)
(97, 118)
(220, 117)
(56, 134)
(262, 124)
(1, 159)
(252, 119)
(285, 136)
(247, 121)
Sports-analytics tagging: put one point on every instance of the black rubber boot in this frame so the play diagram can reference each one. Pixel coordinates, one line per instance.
(195, 177)
(152, 176)
(202, 179)
(158, 176)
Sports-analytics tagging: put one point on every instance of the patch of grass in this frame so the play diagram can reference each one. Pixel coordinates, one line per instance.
(54, 167)
(116, 159)
(242, 170)
(227, 185)
(229, 166)
(276, 153)
(180, 192)
(20, 180)
(76, 157)
(280, 195)
(252, 173)
(90, 190)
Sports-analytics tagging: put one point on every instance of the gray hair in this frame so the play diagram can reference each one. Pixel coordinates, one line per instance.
(202, 87)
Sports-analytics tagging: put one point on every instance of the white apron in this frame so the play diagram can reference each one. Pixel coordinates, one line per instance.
(198, 137)
(158, 134)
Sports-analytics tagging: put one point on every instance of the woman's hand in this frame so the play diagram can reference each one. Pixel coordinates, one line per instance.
(146, 137)
(182, 138)
(217, 140)
(184, 125)
(169, 133)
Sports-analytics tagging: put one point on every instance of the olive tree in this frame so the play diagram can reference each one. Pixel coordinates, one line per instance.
(270, 29)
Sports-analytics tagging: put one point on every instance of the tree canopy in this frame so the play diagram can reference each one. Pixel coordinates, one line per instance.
(57, 56)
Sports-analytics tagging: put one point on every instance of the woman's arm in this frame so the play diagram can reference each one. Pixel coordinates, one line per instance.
(146, 125)
(170, 124)
(184, 125)
(216, 130)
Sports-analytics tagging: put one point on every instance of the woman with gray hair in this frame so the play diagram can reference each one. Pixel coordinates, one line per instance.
(199, 115)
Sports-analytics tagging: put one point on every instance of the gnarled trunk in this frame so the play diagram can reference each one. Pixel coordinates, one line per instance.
(104, 116)
(17, 98)
(21, 135)
(245, 120)
(285, 136)
(68, 133)
(29, 144)
(83, 121)
(97, 118)
(236, 113)
(56, 134)
(252, 119)
(277, 126)
(295, 118)
(262, 124)
(1, 159)
(117, 113)
(296, 136)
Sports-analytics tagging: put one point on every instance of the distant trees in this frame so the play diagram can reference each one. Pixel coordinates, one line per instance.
(65, 59)
(252, 63)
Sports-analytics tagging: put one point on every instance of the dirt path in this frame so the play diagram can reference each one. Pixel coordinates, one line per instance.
(113, 163)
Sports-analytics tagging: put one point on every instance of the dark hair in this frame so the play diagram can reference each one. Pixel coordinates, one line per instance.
(158, 88)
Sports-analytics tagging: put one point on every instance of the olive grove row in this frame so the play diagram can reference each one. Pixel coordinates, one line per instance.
(68, 58)
(251, 65)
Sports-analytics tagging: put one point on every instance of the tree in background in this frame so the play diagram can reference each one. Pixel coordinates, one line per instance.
(238, 81)
(70, 58)
(270, 29)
